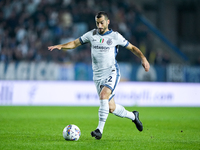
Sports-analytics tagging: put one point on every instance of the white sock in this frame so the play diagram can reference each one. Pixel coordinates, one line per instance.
(103, 114)
(120, 111)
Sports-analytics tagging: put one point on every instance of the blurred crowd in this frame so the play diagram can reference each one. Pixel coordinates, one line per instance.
(28, 27)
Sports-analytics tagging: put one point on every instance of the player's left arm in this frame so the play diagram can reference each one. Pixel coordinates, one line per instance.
(139, 54)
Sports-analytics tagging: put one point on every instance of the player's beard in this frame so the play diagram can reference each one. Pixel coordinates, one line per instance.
(102, 30)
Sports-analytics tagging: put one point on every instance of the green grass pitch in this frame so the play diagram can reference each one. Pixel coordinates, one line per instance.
(40, 128)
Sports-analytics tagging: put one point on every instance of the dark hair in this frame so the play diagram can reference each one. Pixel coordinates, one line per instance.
(102, 13)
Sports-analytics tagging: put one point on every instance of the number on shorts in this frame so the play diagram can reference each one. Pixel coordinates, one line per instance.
(110, 79)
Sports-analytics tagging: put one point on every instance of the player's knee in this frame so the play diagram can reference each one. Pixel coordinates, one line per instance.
(112, 107)
(111, 110)
(104, 95)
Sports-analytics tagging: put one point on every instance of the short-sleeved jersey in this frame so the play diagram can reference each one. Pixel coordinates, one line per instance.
(104, 48)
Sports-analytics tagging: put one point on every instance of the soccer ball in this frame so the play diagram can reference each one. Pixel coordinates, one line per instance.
(71, 133)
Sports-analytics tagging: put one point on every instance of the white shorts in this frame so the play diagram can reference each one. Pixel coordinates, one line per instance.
(111, 82)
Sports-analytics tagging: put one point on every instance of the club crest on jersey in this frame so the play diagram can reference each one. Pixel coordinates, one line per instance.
(109, 42)
(101, 40)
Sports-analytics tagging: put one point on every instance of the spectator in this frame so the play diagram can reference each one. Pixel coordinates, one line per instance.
(27, 26)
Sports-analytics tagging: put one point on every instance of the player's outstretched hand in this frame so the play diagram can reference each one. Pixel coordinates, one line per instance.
(51, 48)
(146, 65)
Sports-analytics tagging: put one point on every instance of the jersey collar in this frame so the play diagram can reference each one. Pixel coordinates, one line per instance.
(106, 33)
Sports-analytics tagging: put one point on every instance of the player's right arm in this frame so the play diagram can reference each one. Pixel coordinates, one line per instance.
(66, 46)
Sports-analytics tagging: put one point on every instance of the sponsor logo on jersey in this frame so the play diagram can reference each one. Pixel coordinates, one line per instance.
(101, 48)
(109, 42)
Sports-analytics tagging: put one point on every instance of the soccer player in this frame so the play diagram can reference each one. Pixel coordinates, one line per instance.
(106, 74)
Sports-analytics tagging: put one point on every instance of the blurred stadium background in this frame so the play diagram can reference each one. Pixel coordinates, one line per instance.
(166, 31)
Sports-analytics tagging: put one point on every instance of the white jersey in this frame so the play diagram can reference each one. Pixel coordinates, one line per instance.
(104, 48)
